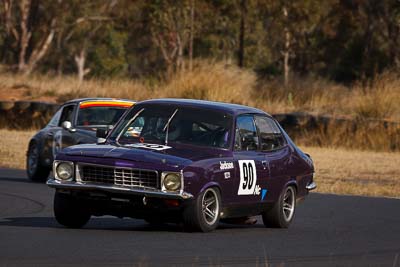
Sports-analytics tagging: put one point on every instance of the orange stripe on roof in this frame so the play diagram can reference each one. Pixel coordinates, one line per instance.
(122, 104)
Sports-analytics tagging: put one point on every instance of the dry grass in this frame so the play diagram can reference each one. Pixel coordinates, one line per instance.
(338, 171)
(63, 88)
(378, 99)
(212, 81)
(208, 81)
(216, 81)
(353, 172)
(302, 94)
(359, 134)
(13, 147)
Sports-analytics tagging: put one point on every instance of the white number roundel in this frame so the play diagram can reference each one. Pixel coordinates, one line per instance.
(248, 177)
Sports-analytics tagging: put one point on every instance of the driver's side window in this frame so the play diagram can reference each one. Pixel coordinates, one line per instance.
(246, 134)
(67, 114)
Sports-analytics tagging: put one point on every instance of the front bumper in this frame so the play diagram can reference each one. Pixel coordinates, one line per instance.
(77, 186)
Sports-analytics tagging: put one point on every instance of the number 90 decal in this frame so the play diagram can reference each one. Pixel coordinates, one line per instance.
(248, 177)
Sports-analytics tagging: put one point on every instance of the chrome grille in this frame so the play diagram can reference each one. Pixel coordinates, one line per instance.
(119, 176)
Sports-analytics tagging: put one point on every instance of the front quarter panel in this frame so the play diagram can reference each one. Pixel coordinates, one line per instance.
(203, 174)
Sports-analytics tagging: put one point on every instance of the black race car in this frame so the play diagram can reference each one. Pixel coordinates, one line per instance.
(75, 122)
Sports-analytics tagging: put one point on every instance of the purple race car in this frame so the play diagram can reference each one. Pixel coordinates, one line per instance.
(190, 161)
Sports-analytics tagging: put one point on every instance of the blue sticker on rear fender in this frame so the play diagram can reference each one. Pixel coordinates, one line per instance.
(263, 193)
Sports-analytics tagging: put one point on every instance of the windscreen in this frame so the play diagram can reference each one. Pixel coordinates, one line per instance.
(166, 124)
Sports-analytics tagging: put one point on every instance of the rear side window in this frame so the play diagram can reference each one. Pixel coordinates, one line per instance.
(246, 134)
(271, 137)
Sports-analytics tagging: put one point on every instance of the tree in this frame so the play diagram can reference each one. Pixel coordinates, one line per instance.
(343, 40)
(81, 28)
(191, 33)
(170, 31)
(292, 30)
(243, 17)
(389, 13)
(31, 26)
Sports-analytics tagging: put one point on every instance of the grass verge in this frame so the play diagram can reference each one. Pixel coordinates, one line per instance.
(13, 147)
(353, 172)
(338, 171)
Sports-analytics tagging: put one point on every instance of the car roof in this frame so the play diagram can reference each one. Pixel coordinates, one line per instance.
(233, 109)
(78, 100)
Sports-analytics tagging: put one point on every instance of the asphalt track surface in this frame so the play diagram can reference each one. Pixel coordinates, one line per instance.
(328, 230)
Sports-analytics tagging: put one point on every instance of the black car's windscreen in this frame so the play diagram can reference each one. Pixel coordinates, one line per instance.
(193, 126)
(99, 116)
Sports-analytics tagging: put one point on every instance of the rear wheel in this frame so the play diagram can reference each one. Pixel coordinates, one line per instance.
(35, 171)
(282, 213)
(204, 212)
(69, 212)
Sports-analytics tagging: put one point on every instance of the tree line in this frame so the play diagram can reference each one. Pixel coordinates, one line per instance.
(343, 40)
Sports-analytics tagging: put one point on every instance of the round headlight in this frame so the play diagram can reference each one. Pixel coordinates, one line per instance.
(64, 171)
(172, 182)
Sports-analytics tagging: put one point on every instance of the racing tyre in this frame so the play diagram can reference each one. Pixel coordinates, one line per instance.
(282, 213)
(203, 213)
(69, 211)
(35, 171)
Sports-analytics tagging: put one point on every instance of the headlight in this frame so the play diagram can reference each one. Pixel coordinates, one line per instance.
(172, 181)
(64, 170)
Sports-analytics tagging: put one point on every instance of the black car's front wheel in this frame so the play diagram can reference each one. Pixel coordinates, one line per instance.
(69, 212)
(203, 213)
(282, 213)
(35, 171)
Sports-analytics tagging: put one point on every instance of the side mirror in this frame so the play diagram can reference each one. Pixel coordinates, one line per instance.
(67, 125)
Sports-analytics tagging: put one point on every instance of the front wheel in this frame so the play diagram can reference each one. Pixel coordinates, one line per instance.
(35, 171)
(282, 213)
(204, 212)
(69, 211)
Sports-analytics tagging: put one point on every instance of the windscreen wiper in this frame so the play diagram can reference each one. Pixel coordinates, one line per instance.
(166, 127)
(127, 125)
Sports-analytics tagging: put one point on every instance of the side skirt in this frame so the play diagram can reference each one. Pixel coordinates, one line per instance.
(236, 211)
